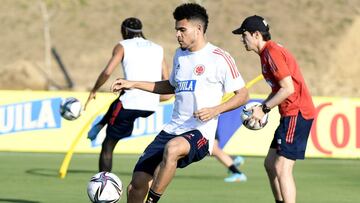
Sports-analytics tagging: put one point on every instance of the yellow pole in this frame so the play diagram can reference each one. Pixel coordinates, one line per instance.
(65, 164)
(253, 81)
(248, 85)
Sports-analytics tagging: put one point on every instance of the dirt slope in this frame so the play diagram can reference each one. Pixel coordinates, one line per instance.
(322, 34)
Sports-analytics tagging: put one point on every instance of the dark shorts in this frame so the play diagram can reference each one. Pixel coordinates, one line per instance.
(121, 121)
(291, 136)
(153, 154)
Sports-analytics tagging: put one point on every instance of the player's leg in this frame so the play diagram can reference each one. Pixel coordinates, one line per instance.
(139, 187)
(175, 149)
(221, 156)
(179, 152)
(284, 172)
(95, 129)
(108, 113)
(291, 140)
(270, 160)
(292, 147)
(106, 154)
(228, 162)
(120, 125)
(148, 164)
(271, 173)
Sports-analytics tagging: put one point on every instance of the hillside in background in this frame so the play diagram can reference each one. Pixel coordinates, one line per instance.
(322, 34)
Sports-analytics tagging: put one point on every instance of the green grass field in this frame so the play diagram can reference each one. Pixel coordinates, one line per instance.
(33, 178)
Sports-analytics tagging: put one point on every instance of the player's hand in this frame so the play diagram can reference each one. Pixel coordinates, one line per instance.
(92, 96)
(120, 84)
(257, 115)
(205, 114)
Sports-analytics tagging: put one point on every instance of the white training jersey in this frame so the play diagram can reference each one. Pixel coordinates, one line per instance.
(200, 79)
(142, 61)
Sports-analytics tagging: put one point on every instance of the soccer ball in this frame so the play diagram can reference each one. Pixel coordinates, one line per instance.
(247, 113)
(104, 187)
(70, 108)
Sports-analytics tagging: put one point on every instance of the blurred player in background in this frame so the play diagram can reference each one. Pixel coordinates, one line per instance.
(201, 74)
(141, 59)
(232, 164)
(291, 95)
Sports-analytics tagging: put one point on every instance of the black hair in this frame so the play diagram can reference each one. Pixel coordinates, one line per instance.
(265, 35)
(131, 27)
(192, 11)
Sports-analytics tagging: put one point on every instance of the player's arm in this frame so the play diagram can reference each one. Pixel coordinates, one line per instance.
(280, 71)
(116, 58)
(240, 97)
(286, 89)
(159, 87)
(271, 95)
(165, 76)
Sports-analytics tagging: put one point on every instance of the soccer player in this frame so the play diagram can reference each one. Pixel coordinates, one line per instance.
(141, 59)
(232, 164)
(291, 95)
(201, 74)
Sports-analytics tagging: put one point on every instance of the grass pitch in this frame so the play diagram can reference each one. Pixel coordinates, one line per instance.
(33, 178)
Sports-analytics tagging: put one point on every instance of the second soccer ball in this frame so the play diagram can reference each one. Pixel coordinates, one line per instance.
(246, 117)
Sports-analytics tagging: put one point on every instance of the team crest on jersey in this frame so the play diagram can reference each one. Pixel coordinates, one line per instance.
(199, 69)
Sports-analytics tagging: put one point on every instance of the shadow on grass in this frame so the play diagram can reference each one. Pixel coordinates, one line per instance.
(55, 173)
(17, 200)
(198, 177)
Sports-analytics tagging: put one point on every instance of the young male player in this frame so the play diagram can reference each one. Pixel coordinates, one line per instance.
(201, 74)
(141, 59)
(290, 94)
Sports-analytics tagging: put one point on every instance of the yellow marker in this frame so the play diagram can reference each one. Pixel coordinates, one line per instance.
(253, 81)
(248, 85)
(65, 164)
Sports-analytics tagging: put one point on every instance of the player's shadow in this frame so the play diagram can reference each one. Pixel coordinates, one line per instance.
(198, 177)
(55, 173)
(43, 172)
(17, 200)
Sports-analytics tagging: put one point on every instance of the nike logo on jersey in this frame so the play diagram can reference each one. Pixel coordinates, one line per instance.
(185, 86)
